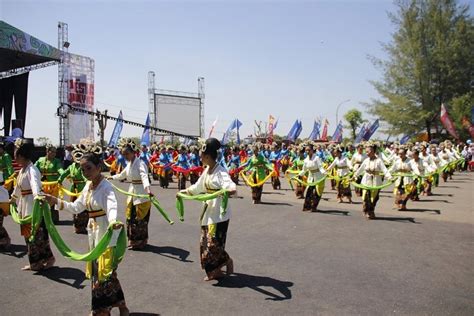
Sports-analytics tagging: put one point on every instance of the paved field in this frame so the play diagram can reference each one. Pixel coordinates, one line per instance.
(332, 262)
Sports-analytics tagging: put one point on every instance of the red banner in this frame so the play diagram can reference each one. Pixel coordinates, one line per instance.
(447, 123)
(324, 136)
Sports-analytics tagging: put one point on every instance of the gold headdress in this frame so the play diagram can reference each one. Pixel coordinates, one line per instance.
(85, 147)
(127, 142)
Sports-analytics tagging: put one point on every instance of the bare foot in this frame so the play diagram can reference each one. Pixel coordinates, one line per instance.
(26, 268)
(214, 275)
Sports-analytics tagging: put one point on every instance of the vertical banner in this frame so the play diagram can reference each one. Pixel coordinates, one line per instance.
(324, 136)
(315, 132)
(371, 130)
(299, 130)
(212, 128)
(337, 136)
(361, 134)
(79, 77)
(234, 125)
(271, 124)
(292, 132)
(276, 124)
(238, 125)
(447, 123)
(117, 131)
(146, 132)
(295, 131)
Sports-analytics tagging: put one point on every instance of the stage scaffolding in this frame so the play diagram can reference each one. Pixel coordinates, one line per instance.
(159, 99)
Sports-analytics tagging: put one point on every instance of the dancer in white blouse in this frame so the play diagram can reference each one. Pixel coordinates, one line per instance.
(28, 187)
(214, 223)
(372, 170)
(138, 208)
(357, 158)
(98, 198)
(405, 184)
(314, 168)
(343, 167)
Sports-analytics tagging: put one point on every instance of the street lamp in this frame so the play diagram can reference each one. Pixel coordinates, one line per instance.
(337, 109)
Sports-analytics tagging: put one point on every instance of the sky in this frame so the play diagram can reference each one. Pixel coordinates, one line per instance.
(292, 59)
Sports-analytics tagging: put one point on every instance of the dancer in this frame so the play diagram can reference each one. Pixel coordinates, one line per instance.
(214, 224)
(259, 167)
(28, 187)
(342, 166)
(195, 164)
(357, 158)
(74, 174)
(275, 161)
(372, 169)
(4, 211)
(50, 168)
(405, 186)
(138, 208)
(313, 167)
(234, 164)
(182, 165)
(98, 198)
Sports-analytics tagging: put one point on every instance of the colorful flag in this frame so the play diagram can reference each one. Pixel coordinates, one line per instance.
(315, 132)
(212, 127)
(299, 130)
(275, 125)
(234, 125)
(371, 130)
(324, 136)
(361, 134)
(271, 122)
(146, 132)
(406, 138)
(117, 131)
(337, 136)
(447, 123)
(293, 133)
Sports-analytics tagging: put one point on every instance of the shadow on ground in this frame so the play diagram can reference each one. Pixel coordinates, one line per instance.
(397, 219)
(18, 251)
(61, 274)
(257, 283)
(169, 252)
(332, 212)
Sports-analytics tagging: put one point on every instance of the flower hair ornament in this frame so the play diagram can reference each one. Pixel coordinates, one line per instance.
(127, 142)
(85, 147)
(19, 142)
(201, 143)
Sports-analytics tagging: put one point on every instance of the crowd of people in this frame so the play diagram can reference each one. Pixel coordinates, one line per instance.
(213, 172)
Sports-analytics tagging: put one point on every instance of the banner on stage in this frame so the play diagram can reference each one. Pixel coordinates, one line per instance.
(79, 76)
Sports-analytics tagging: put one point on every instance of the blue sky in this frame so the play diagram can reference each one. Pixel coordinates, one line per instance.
(291, 59)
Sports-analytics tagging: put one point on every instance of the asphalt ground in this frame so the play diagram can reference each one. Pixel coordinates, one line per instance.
(331, 262)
